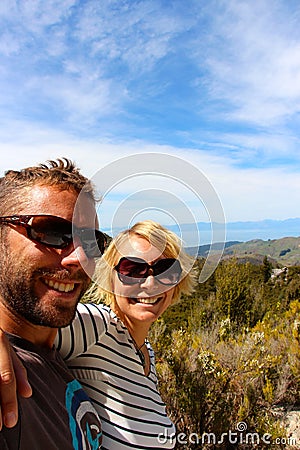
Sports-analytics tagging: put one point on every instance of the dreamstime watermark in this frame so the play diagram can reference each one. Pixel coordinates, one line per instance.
(239, 436)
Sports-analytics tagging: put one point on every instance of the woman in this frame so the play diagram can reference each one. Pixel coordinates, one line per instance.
(142, 272)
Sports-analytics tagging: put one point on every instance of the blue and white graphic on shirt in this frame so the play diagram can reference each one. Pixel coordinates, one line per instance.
(82, 416)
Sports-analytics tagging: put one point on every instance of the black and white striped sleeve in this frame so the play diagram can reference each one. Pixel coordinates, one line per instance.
(89, 325)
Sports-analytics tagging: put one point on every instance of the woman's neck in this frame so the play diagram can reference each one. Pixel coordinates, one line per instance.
(138, 330)
(138, 334)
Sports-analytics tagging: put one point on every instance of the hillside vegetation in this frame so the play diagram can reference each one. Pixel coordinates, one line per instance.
(228, 356)
(284, 251)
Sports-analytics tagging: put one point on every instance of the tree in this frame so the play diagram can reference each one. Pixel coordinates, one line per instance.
(267, 269)
(233, 295)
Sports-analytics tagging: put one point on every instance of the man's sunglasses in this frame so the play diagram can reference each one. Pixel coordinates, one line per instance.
(135, 270)
(56, 232)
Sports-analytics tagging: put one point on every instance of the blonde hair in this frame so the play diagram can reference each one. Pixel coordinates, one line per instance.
(166, 241)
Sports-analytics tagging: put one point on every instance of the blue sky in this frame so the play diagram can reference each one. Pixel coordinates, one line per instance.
(215, 83)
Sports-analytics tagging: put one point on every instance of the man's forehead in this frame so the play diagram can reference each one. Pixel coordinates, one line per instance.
(61, 202)
(47, 196)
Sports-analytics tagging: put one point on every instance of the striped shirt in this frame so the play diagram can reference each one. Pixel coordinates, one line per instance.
(101, 354)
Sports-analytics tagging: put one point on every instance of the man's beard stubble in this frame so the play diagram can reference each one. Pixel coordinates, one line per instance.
(17, 292)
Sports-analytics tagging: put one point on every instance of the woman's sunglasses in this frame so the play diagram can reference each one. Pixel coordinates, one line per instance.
(56, 232)
(135, 270)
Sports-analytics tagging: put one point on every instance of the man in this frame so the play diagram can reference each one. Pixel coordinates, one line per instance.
(48, 240)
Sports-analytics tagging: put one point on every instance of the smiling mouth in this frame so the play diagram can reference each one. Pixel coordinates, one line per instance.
(59, 286)
(147, 300)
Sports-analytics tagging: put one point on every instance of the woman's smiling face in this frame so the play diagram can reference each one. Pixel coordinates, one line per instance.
(144, 301)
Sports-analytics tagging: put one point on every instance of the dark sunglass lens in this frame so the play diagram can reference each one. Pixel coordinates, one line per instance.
(58, 233)
(101, 241)
(127, 279)
(131, 271)
(168, 271)
(52, 231)
(93, 242)
(132, 268)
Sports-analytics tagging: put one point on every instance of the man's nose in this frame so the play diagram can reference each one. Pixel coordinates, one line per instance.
(74, 254)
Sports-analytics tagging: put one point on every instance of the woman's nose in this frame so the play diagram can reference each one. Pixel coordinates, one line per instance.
(150, 282)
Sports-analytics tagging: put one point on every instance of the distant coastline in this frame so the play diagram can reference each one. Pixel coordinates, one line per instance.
(241, 231)
(198, 234)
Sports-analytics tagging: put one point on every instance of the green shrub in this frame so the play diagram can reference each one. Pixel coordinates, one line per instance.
(233, 359)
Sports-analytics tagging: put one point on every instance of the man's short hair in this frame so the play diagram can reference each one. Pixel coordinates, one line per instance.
(62, 174)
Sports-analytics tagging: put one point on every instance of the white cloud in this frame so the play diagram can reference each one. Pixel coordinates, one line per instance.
(137, 34)
(100, 69)
(67, 52)
(246, 194)
(253, 60)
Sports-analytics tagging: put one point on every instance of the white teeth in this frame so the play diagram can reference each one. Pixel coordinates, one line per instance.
(61, 287)
(148, 301)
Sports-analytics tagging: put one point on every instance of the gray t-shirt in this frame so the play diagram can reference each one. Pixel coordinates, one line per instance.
(59, 415)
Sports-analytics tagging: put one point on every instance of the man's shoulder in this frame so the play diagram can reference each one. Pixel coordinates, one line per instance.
(59, 410)
(44, 365)
(24, 348)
